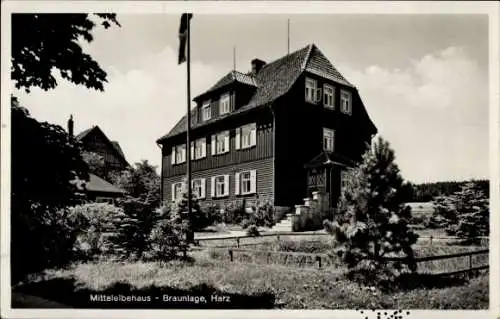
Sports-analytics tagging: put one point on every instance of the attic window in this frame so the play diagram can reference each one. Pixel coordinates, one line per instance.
(328, 96)
(206, 111)
(345, 102)
(224, 104)
(328, 139)
(313, 94)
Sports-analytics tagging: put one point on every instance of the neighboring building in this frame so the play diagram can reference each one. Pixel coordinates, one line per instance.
(94, 140)
(99, 190)
(279, 132)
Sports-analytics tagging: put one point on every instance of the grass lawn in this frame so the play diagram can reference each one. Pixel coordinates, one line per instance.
(251, 285)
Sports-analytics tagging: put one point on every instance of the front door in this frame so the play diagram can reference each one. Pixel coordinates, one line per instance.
(316, 181)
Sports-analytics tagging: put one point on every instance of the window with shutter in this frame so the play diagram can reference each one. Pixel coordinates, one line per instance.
(220, 186)
(180, 154)
(226, 185)
(199, 145)
(328, 139)
(345, 102)
(311, 90)
(224, 104)
(328, 96)
(221, 142)
(246, 182)
(197, 187)
(206, 111)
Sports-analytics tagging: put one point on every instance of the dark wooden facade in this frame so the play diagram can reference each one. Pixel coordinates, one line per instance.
(289, 131)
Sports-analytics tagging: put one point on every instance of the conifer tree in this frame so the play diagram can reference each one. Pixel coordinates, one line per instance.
(372, 220)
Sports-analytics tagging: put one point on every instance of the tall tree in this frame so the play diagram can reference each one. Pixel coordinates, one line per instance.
(372, 220)
(44, 42)
(141, 181)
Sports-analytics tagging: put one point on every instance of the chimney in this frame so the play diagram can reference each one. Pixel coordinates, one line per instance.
(70, 125)
(257, 65)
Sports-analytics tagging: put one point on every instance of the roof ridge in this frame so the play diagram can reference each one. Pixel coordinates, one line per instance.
(308, 55)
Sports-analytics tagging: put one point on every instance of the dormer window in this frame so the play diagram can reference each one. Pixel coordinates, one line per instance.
(206, 111)
(224, 104)
(345, 102)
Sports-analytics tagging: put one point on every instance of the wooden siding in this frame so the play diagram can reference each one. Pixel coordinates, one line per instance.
(263, 149)
(264, 178)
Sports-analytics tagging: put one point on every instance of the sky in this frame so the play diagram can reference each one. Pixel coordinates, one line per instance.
(423, 80)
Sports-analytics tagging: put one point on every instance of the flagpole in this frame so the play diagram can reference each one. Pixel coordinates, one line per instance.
(188, 138)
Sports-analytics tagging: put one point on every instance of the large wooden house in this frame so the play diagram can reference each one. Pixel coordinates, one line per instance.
(279, 132)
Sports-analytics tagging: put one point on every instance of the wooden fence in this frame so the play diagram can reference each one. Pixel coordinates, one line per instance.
(454, 263)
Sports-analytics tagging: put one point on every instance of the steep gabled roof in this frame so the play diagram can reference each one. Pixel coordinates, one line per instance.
(114, 144)
(273, 81)
(231, 77)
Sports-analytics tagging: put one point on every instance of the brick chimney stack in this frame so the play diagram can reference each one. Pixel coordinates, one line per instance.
(70, 125)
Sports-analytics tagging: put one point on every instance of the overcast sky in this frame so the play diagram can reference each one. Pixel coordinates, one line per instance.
(423, 79)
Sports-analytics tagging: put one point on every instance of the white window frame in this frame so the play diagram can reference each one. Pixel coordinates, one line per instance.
(220, 143)
(241, 188)
(218, 182)
(246, 136)
(346, 100)
(201, 193)
(225, 104)
(311, 90)
(200, 148)
(330, 134)
(206, 111)
(179, 154)
(177, 193)
(329, 96)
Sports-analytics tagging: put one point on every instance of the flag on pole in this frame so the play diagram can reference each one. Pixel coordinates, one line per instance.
(185, 18)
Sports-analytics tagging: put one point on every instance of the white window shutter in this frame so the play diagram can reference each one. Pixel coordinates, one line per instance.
(204, 148)
(212, 187)
(213, 145)
(318, 95)
(226, 142)
(237, 139)
(172, 160)
(226, 185)
(192, 150)
(253, 136)
(253, 181)
(183, 153)
(237, 184)
(173, 192)
(203, 184)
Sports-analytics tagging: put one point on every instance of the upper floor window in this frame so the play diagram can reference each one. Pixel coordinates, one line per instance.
(328, 96)
(206, 111)
(246, 136)
(198, 148)
(178, 154)
(224, 104)
(328, 139)
(220, 143)
(245, 182)
(220, 186)
(345, 102)
(311, 90)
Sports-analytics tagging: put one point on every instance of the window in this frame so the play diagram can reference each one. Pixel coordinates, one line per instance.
(206, 111)
(199, 149)
(245, 182)
(220, 143)
(220, 186)
(328, 96)
(345, 102)
(177, 190)
(246, 136)
(224, 104)
(328, 139)
(178, 154)
(311, 90)
(198, 187)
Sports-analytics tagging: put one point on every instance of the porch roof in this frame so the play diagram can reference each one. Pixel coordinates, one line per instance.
(326, 158)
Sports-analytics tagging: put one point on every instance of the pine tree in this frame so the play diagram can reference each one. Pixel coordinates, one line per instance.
(372, 220)
(471, 213)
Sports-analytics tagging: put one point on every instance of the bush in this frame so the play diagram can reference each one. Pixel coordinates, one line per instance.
(95, 225)
(263, 214)
(234, 213)
(307, 222)
(253, 231)
(168, 236)
(245, 223)
(212, 213)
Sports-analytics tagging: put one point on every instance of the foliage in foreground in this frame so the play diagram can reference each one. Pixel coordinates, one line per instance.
(42, 183)
(372, 220)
